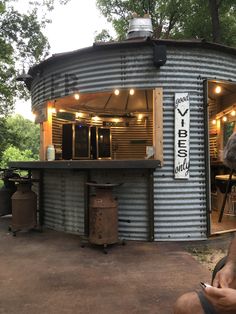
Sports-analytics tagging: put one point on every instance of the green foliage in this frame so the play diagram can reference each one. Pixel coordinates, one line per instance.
(186, 19)
(23, 134)
(20, 139)
(103, 36)
(22, 42)
(13, 153)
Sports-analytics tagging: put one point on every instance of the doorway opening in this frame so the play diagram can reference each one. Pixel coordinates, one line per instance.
(222, 123)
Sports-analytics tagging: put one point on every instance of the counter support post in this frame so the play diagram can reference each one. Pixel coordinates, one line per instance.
(40, 196)
(151, 205)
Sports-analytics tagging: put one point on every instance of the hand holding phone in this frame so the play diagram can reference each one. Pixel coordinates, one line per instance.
(204, 285)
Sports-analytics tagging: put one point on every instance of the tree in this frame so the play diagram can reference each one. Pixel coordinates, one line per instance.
(177, 18)
(14, 154)
(22, 42)
(23, 134)
(20, 133)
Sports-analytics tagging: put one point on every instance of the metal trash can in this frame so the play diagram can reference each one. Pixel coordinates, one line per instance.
(24, 206)
(103, 215)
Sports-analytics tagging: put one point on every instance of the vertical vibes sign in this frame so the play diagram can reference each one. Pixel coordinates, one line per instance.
(182, 114)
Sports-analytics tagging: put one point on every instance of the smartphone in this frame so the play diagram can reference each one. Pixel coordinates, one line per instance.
(204, 285)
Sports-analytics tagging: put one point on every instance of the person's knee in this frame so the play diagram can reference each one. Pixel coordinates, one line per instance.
(188, 303)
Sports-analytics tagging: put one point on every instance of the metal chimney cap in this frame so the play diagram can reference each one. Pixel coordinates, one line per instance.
(140, 27)
(140, 24)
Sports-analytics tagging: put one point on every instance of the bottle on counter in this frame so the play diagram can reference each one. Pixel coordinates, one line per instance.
(50, 153)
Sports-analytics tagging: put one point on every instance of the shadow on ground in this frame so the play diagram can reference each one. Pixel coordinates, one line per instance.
(50, 273)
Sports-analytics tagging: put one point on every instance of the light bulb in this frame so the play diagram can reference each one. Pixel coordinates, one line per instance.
(131, 91)
(76, 96)
(233, 113)
(224, 118)
(218, 89)
(116, 92)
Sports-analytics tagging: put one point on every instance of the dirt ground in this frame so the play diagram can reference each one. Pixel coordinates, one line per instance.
(209, 252)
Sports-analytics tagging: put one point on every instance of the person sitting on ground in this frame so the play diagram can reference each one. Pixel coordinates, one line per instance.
(219, 299)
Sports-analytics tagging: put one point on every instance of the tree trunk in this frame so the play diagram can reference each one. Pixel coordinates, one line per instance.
(214, 11)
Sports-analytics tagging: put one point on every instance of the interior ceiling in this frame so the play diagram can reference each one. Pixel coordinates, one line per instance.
(108, 102)
(227, 89)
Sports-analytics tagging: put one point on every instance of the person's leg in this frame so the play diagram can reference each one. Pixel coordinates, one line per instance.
(188, 303)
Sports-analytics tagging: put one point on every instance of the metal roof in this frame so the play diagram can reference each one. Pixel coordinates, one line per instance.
(133, 42)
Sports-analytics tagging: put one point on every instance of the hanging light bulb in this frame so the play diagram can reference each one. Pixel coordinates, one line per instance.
(214, 121)
(76, 96)
(131, 91)
(233, 113)
(218, 89)
(224, 118)
(78, 114)
(116, 92)
(95, 119)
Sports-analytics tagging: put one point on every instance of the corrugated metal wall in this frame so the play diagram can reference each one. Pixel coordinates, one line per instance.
(180, 206)
(64, 200)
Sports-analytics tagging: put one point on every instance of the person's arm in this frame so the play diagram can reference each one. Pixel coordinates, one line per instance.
(226, 277)
(231, 258)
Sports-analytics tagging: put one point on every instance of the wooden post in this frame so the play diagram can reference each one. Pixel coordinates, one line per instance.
(46, 134)
(158, 124)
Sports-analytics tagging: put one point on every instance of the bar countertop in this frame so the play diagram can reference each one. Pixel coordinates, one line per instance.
(86, 164)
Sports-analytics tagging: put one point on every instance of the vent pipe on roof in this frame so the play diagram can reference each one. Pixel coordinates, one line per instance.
(140, 27)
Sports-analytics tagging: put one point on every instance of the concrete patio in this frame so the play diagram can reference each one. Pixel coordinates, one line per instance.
(50, 273)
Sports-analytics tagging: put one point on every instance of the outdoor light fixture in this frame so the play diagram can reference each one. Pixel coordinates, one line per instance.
(116, 92)
(218, 89)
(76, 96)
(140, 116)
(78, 114)
(131, 91)
(96, 118)
(224, 118)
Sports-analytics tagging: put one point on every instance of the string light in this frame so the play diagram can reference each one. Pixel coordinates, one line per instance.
(76, 96)
(78, 114)
(224, 118)
(233, 113)
(218, 89)
(131, 91)
(116, 92)
(214, 121)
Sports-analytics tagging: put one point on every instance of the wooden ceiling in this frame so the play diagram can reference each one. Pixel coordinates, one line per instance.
(108, 102)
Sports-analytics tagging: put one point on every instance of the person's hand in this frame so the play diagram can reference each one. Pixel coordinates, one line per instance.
(223, 299)
(225, 277)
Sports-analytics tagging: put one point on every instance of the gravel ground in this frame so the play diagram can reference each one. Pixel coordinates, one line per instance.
(209, 252)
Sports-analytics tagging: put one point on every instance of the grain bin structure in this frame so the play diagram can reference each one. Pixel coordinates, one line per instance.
(143, 113)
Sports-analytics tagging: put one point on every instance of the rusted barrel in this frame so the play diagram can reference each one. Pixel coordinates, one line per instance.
(24, 206)
(103, 216)
(6, 192)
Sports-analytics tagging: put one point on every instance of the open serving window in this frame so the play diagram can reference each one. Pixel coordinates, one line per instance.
(119, 124)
